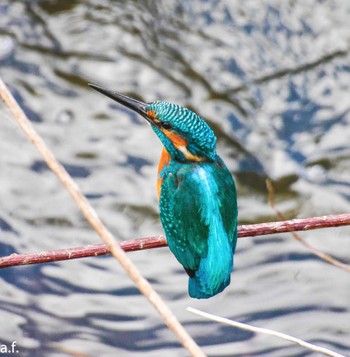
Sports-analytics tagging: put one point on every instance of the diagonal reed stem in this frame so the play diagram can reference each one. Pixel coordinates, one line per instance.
(266, 331)
(91, 216)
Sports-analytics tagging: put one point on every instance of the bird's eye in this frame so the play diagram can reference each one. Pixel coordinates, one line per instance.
(166, 125)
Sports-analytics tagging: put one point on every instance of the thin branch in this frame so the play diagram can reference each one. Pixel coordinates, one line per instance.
(251, 230)
(300, 224)
(80, 252)
(265, 331)
(327, 258)
(90, 214)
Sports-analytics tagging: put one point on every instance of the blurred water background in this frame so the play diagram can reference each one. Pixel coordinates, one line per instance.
(273, 80)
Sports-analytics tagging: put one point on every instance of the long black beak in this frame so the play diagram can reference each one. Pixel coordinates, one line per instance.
(137, 106)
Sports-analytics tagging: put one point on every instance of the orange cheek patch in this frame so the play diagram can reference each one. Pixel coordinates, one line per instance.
(181, 145)
(177, 140)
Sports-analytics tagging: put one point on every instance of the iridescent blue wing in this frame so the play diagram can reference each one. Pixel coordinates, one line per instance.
(228, 200)
(197, 201)
(185, 229)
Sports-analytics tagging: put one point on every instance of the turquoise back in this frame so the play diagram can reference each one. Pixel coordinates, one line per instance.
(198, 210)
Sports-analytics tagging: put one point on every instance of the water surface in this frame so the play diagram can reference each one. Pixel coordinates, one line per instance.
(271, 78)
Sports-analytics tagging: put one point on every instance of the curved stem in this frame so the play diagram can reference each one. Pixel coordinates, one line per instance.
(91, 216)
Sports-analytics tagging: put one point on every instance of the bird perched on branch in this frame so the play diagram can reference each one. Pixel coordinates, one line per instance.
(196, 192)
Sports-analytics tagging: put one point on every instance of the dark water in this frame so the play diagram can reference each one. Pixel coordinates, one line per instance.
(273, 80)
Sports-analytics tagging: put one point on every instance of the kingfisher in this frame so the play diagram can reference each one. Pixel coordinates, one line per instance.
(196, 193)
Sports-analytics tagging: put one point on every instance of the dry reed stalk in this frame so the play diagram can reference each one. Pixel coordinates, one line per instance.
(265, 331)
(90, 214)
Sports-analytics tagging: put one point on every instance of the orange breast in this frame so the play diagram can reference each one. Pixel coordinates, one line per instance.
(164, 161)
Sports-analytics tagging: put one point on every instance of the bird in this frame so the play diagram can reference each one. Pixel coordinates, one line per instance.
(196, 192)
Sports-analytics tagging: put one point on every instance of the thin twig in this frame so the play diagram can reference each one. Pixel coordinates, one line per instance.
(90, 214)
(243, 326)
(251, 230)
(300, 224)
(327, 258)
(79, 252)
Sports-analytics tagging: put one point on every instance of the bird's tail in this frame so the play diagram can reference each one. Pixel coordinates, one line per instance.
(214, 271)
(198, 291)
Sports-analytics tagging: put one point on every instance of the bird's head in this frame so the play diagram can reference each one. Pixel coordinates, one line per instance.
(185, 135)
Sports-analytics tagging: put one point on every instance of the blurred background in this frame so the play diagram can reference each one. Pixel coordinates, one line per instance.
(272, 78)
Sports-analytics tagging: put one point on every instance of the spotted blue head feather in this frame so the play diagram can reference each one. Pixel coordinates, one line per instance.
(171, 121)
